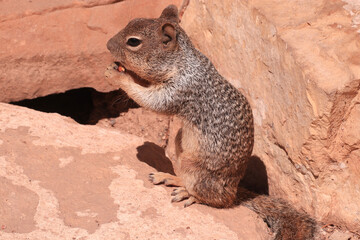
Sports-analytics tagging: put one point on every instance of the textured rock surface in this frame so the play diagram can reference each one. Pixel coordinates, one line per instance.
(78, 182)
(14, 10)
(42, 42)
(298, 63)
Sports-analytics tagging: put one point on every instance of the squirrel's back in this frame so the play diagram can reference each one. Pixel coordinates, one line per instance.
(222, 115)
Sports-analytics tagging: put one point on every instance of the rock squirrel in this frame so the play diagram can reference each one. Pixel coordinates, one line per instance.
(159, 68)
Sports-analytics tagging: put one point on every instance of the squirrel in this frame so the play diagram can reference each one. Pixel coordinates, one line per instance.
(159, 68)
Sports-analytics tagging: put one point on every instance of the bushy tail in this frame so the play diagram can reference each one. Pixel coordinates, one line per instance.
(286, 222)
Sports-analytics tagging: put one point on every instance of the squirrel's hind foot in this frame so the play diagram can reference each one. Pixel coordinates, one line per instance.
(180, 194)
(166, 179)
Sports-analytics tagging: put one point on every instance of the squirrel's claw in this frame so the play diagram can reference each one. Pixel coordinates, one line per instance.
(154, 180)
(191, 200)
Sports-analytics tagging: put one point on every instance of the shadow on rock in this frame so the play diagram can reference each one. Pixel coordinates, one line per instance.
(154, 156)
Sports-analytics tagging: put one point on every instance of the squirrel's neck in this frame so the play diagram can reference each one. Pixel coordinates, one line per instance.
(194, 67)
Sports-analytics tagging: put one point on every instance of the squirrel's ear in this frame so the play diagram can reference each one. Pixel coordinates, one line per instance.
(168, 36)
(170, 13)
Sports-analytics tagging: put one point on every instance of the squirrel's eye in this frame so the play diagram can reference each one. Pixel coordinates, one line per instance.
(133, 42)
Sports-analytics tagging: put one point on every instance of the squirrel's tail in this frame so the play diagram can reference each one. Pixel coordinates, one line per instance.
(286, 222)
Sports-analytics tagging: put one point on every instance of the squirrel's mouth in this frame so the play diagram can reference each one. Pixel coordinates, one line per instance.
(120, 67)
(136, 77)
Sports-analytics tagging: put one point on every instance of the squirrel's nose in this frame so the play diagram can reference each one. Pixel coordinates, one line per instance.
(111, 45)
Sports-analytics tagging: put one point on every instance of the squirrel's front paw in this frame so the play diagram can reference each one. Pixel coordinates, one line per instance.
(113, 69)
(114, 73)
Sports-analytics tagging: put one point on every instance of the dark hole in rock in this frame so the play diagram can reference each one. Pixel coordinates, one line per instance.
(84, 105)
(256, 177)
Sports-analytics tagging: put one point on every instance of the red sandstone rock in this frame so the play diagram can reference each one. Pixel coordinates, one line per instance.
(77, 181)
(61, 180)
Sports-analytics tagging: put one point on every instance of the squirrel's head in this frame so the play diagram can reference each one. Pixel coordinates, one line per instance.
(149, 47)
